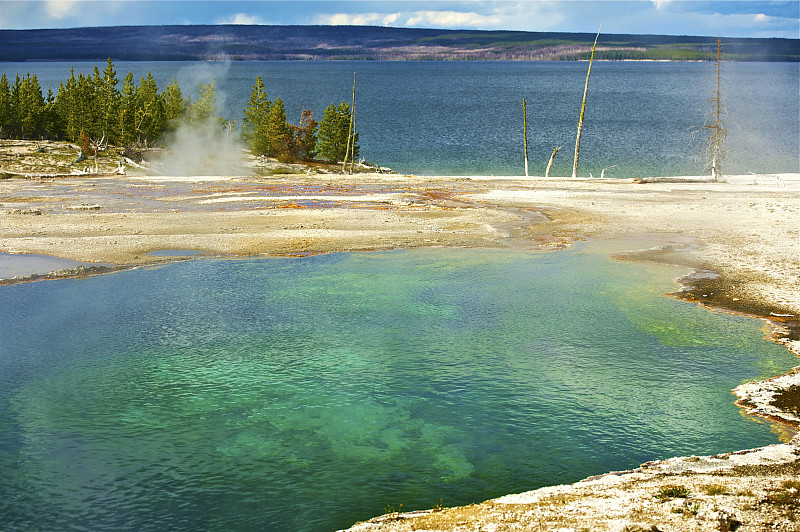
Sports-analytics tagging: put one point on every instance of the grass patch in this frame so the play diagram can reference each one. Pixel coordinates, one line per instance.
(788, 495)
(786, 498)
(715, 489)
(673, 491)
(390, 510)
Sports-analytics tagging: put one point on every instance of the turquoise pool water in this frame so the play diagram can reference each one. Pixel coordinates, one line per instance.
(307, 394)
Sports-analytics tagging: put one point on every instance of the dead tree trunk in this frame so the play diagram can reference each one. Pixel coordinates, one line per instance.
(715, 146)
(353, 140)
(350, 132)
(550, 164)
(583, 108)
(525, 133)
(603, 171)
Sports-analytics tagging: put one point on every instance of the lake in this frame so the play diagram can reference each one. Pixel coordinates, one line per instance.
(465, 118)
(307, 394)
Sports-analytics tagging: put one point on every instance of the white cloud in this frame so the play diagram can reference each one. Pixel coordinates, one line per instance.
(241, 18)
(361, 19)
(660, 4)
(59, 9)
(350, 19)
(452, 19)
(763, 19)
(520, 15)
(391, 19)
(442, 19)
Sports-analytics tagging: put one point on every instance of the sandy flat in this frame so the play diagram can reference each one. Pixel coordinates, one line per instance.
(364, 198)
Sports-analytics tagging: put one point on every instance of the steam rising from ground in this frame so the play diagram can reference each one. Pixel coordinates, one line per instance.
(201, 149)
(204, 146)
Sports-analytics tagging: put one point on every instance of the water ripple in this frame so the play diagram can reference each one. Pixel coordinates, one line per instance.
(307, 394)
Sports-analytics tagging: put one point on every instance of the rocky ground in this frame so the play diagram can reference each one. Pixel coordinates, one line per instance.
(741, 238)
(750, 490)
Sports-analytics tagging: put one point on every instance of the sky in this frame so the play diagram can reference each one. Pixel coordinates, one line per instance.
(728, 18)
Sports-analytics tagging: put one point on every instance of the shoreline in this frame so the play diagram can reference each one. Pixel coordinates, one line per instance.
(740, 235)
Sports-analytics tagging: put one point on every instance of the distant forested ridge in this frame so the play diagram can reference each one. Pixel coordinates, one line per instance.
(251, 43)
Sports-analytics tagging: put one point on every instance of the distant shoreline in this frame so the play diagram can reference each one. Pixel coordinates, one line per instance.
(302, 43)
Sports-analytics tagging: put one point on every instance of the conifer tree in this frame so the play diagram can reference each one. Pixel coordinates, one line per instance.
(174, 105)
(84, 114)
(149, 111)
(51, 121)
(127, 111)
(278, 130)
(332, 139)
(66, 107)
(31, 107)
(203, 111)
(16, 91)
(109, 101)
(95, 93)
(5, 108)
(256, 118)
(260, 143)
(304, 137)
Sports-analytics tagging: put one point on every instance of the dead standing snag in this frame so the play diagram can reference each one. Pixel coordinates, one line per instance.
(583, 108)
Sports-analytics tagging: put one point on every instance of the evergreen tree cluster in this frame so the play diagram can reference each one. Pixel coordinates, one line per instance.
(90, 106)
(267, 132)
(95, 106)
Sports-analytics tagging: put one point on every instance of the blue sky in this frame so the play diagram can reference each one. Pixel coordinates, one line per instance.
(737, 18)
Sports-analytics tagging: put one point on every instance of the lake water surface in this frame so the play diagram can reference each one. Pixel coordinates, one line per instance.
(465, 118)
(306, 394)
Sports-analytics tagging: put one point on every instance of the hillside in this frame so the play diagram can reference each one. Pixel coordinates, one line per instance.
(238, 42)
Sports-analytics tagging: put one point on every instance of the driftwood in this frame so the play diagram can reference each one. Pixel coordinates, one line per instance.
(134, 164)
(645, 180)
(81, 157)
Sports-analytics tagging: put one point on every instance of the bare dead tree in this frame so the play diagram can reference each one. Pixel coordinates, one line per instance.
(715, 146)
(353, 140)
(525, 133)
(97, 146)
(350, 132)
(550, 164)
(583, 108)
